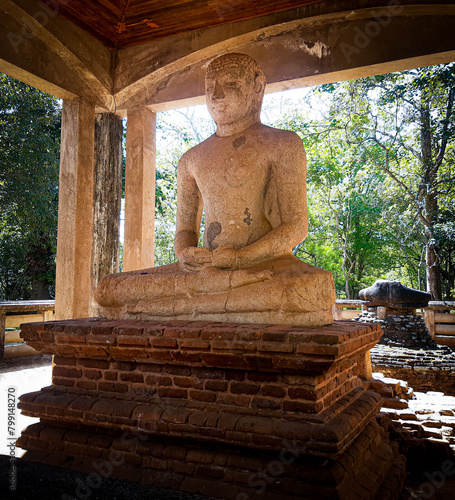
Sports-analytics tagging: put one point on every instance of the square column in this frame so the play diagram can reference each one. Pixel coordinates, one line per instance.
(140, 190)
(74, 284)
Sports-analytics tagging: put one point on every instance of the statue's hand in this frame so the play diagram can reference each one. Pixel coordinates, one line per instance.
(195, 259)
(225, 257)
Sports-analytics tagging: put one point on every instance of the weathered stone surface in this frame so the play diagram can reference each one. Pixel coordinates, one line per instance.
(394, 295)
(250, 179)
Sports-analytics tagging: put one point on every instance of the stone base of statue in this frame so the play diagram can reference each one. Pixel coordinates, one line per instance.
(283, 291)
(228, 411)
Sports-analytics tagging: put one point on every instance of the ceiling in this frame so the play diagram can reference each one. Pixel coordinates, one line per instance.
(123, 23)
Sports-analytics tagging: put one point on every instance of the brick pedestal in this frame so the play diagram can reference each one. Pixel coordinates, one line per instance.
(223, 410)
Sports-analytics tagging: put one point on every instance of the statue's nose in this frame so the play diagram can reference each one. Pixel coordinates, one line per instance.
(218, 92)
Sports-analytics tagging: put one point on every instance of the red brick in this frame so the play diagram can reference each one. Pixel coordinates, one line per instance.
(164, 342)
(302, 393)
(175, 452)
(302, 407)
(66, 382)
(82, 404)
(213, 334)
(187, 382)
(275, 347)
(194, 344)
(177, 415)
(265, 403)
(234, 399)
(93, 363)
(112, 387)
(110, 375)
(88, 385)
(184, 332)
(198, 419)
(92, 374)
(178, 370)
(216, 385)
(135, 340)
(223, 360)
(147, 412)
(132, 377)
(207, 373)
(64, 360)
(234, 375)
(113, 408)
(172, 392)
(149, 367)
(228, 421)
(211, 472)
(274, 391)
(206, 396)
(244, 388)
(154, 331)
(102, 339)
(186, 357)
(160, 357)
(62, 371)
(124, 366)
(93, 352)
(200, 456)
(248, 336)
(158, 380)
(262, 377)
(52, 433)
(69, 338)
(269, 336)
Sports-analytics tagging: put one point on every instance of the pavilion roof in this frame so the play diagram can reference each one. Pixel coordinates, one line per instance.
(123, 23)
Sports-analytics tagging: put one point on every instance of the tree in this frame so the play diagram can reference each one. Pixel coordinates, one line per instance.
(405, 124)
(29, 148)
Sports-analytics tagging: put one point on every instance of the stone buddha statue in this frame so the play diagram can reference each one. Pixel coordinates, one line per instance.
(251, 181)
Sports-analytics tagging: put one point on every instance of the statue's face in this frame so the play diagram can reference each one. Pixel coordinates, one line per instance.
(230, 94)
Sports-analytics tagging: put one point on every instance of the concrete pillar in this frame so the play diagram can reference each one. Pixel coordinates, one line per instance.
(138, 251)
(107, 195)
(74, 286)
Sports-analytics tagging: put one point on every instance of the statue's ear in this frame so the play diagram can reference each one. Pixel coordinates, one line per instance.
(259, 83)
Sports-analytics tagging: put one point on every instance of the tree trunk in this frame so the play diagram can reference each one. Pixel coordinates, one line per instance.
(433, 266)
(433, 273)
(107, 194)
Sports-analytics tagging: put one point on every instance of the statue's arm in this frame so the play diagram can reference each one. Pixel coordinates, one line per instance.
(189, 213)
(289, 171)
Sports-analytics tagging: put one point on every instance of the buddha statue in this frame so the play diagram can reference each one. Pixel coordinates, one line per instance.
(251, 181)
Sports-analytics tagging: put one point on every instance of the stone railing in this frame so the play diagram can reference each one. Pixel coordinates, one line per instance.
(348, 308)
(439, 317)
(440, 321)
(12, 314)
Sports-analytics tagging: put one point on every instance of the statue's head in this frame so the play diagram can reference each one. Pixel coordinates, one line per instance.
(234, 88)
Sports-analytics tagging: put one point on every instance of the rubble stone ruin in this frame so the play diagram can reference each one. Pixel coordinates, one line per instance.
(393, 306)
(227, 366)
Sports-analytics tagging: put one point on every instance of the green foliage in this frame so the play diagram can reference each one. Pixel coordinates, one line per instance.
(29, 148)
(178, 131)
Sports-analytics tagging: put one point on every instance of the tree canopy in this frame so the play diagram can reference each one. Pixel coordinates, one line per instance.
(29, 151)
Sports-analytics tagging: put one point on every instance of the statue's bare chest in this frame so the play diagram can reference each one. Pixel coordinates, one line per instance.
(238, 167)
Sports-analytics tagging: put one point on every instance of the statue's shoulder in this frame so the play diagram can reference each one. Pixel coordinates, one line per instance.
(286, 138)
(194, 154)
